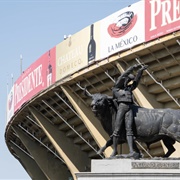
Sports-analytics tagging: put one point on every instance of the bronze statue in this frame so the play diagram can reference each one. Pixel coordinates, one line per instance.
(148, 125)
(122, 93)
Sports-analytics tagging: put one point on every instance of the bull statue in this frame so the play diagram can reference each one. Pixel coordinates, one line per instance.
(150, 125)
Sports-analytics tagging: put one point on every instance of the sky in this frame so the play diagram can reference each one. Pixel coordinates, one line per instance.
(30, 28)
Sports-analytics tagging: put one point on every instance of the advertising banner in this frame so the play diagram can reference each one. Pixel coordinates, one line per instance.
(75, 52)
(122, 30)
(37, 77)
(162, 17)
(10, 104)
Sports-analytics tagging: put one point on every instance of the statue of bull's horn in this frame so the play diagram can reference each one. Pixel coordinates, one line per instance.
(87, 93)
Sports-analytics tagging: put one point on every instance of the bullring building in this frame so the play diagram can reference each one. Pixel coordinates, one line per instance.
(51, 129)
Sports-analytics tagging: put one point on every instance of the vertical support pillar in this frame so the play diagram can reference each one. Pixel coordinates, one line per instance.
(74, 157)
(29, 164)
(52, 167)
(88, 118)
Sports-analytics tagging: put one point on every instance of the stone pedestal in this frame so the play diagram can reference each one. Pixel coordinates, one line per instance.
(129, 169)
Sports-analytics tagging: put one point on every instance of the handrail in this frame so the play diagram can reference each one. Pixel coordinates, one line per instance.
(71, 127)
(159, 84)
(40, 142)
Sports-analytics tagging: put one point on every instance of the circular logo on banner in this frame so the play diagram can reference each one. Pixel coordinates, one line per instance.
(123, 24)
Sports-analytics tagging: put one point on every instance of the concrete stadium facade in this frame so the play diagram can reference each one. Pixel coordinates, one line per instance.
(55, 134)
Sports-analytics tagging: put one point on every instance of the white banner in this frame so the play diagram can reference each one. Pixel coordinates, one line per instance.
(122, 30)
(10, 105)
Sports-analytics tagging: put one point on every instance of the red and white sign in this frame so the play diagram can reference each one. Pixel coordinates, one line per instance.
(162, 17)
(122, 30)
(10, 104)
(37, 77)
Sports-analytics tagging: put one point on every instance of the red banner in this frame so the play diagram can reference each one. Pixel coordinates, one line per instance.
(161, 17)
(37, 77)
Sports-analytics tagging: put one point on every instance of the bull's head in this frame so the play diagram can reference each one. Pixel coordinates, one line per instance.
(99, 102)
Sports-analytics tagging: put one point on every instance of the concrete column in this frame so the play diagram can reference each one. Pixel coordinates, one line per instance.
(89, 119)
(74, 157)
(52, 167)
(29, 164)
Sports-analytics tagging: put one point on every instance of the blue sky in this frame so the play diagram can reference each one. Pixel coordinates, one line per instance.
(30, 28)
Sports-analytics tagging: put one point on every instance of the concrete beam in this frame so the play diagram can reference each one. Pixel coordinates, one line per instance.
(29, 164)
(168, 84)
(52, 167)
(88, 118)
(162, 75)
(74, 157)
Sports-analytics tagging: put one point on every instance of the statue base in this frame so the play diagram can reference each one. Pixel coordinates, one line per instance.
(144, 169)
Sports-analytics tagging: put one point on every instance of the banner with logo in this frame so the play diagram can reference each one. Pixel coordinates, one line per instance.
(122, 30)
(10, 104)
(76, 51)
(162, 17)
(37, 77)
